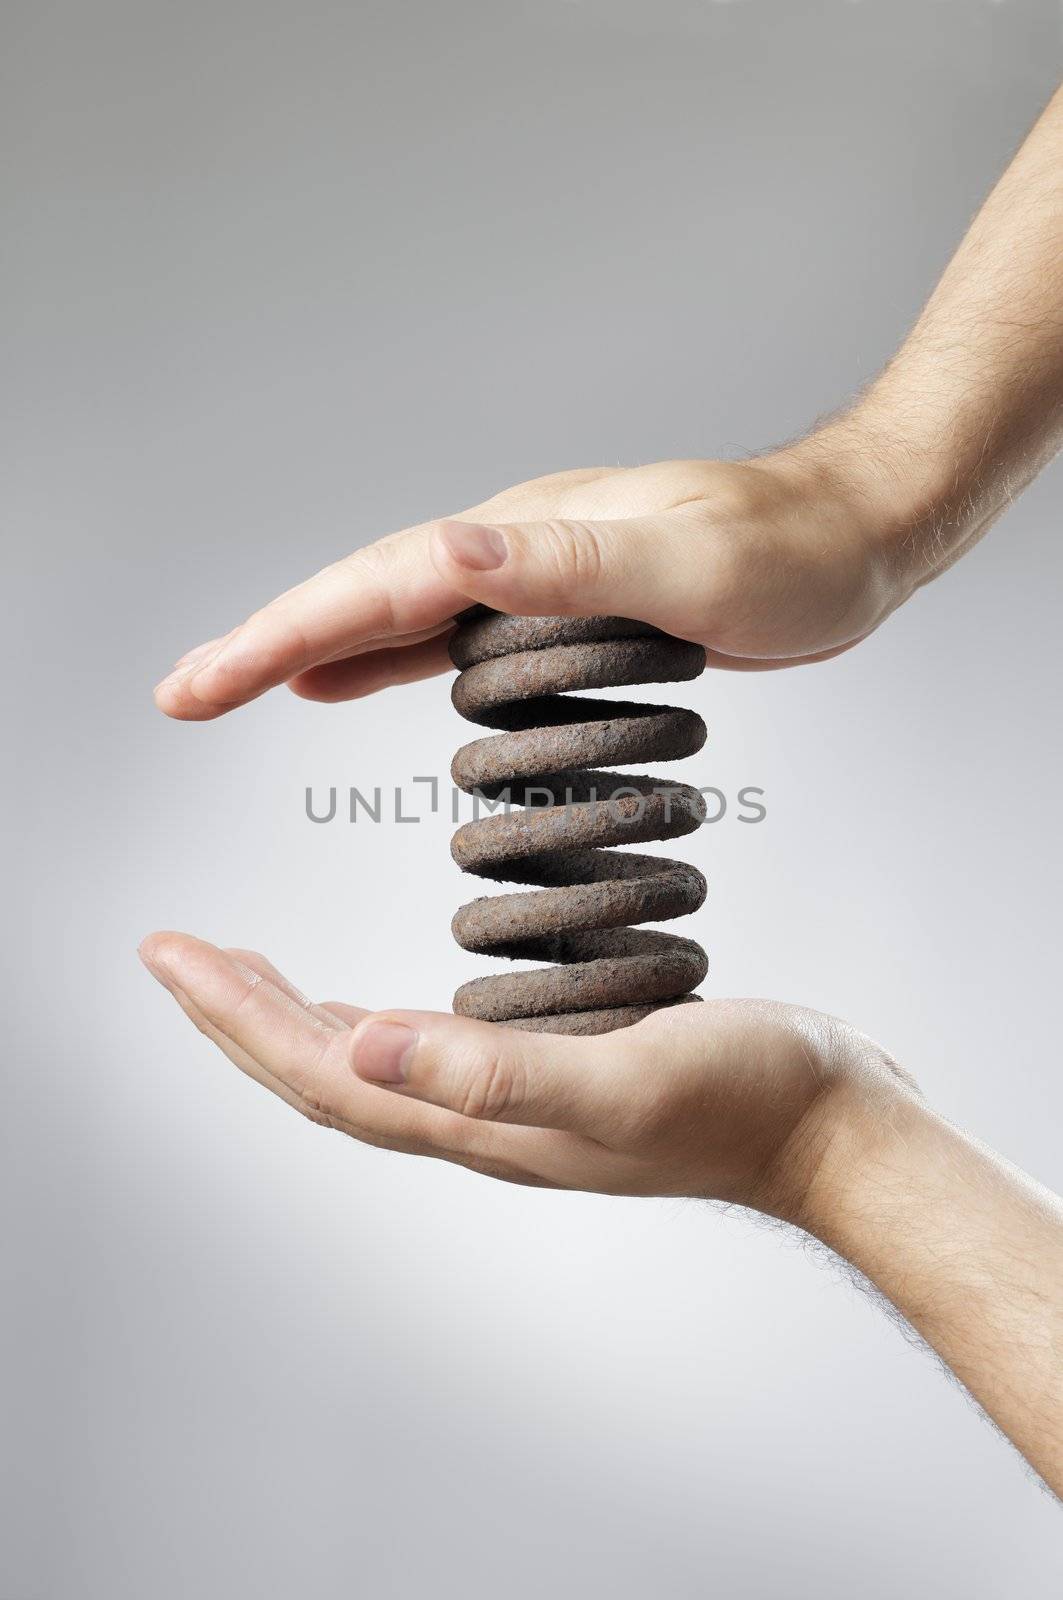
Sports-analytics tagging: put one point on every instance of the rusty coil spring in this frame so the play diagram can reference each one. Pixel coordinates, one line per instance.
(514, 675)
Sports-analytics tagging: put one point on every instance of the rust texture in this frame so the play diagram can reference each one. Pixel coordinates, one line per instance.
(567, 814)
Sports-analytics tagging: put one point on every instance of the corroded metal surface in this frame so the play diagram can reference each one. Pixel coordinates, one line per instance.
(582, 914)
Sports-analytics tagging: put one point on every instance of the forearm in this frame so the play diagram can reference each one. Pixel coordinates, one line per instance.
(968, 1249)
(971, 408)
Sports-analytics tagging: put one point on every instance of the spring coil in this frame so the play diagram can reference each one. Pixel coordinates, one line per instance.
(514, 675)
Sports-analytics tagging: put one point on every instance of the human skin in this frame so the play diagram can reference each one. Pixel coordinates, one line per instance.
(787, 559)
(786, 1111)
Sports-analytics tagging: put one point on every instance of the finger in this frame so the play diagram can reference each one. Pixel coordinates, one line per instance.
(384, 590)
(236, 1054)
(651, 568)
(348, 1015)
(255, 961)
(284, 1045)
(198, 654)
(271, 1024)
(239, 1057)
(510, 1165)
(361, 675)
(486, 1072)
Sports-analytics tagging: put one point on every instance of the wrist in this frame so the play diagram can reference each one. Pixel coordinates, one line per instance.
(851, 1153)
(859, 503)
(868, 1149)
(916, 500)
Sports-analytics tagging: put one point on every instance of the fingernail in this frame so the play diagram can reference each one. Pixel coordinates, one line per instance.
(471, 545)
(382, 1051)
(190, 657)
(179, 674)
(154, 964)
(195, 661)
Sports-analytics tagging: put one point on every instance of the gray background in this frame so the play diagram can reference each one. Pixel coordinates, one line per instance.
(279, 278)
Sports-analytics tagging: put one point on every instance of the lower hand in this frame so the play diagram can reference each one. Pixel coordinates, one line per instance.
(731, 1100)
(786, 1111)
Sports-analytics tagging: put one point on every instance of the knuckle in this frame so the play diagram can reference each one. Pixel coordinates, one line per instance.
(739, 494)
(319, 1116)
(537, 497)
(512, 504)
(249, 995)
(488, 1091)
(247, 958)
(317, 1102)
(574, 550)
(275, 644)
(372, 570)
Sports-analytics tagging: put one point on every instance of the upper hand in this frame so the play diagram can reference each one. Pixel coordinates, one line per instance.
(767, 563)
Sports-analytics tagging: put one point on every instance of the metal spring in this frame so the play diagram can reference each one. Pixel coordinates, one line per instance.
(514, 675)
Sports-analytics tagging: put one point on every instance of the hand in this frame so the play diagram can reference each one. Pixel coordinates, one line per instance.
(787, 1111)
(767, 563)
(731, 1100)
(789, 558)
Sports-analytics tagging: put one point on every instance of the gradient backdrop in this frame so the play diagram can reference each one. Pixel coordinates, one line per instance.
(283, 277)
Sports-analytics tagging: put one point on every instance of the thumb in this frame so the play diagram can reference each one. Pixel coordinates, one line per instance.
(484, 1071)
(635, 568)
